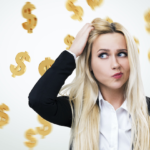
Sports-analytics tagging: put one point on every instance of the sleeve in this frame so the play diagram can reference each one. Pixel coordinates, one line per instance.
(43, 96)
(148, 104)
(72, 54)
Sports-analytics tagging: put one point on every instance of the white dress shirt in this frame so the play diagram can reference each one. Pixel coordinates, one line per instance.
(115, 128)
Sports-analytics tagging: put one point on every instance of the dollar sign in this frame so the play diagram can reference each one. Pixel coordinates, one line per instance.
(147, 19)
(147, 16)
(45, 65)
(149, 55)
(46, 124)
(31, 19)
(33, 141)
(94, 3)
(68, 41)
(78, 11)
(21, 68)
(109, 19)
(147, 27)
(4, 117)
(137, 42)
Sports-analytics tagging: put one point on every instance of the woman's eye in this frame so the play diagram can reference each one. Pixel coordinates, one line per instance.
(106, 54)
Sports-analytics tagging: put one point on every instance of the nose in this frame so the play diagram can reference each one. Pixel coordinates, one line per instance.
(115, 62)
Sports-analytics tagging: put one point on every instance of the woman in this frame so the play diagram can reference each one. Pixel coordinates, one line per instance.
(94, 95)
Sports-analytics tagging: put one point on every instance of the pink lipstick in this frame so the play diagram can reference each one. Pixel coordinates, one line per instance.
(118, 76)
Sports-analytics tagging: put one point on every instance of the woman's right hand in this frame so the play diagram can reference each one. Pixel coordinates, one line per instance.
(79, 42)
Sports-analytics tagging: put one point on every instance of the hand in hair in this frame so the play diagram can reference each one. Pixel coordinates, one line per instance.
(80, 41)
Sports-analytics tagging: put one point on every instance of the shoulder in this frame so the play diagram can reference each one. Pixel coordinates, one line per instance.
(148, 100)
(148, 103)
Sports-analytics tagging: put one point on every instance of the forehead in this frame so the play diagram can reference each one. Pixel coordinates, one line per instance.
(109, 41)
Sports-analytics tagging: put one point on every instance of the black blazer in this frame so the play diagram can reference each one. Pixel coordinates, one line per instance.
(44, 99)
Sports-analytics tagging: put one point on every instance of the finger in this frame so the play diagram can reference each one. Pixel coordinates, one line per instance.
(89, 29)
(85, 27)
(87, 32)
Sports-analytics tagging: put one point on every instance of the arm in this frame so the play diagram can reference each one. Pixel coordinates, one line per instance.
(72, 54)
(43, 96)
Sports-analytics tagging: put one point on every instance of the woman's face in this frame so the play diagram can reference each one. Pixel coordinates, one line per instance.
(104, 63)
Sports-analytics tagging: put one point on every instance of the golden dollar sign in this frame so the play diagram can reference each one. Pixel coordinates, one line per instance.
(137, 42)
(147, 27)
(21, 68)
(45, 65)
(147, 16)
(109, 19)
(94, 3)
(4, 117)
(68, 41)
(149, 55)
(31, 19)
(46, 125)
(147, 19)
(78, 11)
(32, 141)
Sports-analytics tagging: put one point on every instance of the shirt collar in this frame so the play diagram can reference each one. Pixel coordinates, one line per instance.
(101, 99)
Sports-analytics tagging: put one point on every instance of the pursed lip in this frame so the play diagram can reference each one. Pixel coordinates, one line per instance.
(117, 74)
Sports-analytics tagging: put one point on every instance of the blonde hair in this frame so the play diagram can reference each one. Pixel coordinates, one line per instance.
(83, 93)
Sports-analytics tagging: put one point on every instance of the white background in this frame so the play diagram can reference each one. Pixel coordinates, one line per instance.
(47, 40)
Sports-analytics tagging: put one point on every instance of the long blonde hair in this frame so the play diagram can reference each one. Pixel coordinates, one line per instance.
(83, 93)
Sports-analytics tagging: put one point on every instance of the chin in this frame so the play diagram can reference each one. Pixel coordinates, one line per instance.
(116, 86)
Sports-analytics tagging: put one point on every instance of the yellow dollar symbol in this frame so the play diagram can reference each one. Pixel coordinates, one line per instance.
(68, 41)
(32, 20)
(137, 42)
(32, 141)
(147, 16)
(109, 19)
(94, 3)
(46, 125)
(149, 55)
(78, 11)
(45, 65)
(4, 117)
(147, 19)
(21, 68)
(147, 27)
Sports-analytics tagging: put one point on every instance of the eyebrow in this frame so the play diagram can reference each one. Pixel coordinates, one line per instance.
(109, 50)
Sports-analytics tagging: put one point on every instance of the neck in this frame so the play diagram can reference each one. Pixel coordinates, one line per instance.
(114, 96)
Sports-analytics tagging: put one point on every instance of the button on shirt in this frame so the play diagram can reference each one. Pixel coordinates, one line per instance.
(115, 126)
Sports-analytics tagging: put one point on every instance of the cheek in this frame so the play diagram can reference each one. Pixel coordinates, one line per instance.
(126, 67)
(128, 71)
(101, 72)
(100, 68)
